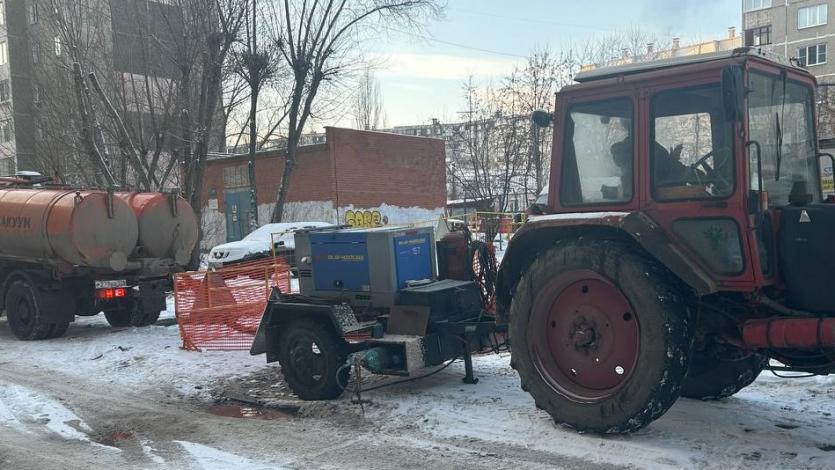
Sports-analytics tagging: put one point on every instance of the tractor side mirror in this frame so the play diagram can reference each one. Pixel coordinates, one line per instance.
(542, 118)
(733, 94)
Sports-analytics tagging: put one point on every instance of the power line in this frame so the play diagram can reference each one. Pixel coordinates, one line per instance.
(455, 44)
(531, 20)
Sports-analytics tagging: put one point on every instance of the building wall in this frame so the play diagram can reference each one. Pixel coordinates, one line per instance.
(786, 38)
(356, 178)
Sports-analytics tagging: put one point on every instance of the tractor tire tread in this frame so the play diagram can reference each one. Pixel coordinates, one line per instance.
(648, 283)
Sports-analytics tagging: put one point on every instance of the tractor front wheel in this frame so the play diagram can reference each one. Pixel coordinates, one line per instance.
(601, 336)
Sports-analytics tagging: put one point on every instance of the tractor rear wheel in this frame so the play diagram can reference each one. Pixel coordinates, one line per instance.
(312, 360)
(713, 378)
(601, 336)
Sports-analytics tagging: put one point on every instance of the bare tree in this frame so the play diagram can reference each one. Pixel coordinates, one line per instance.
(256, 66)
(536, 85)
(318, 42)
(368, 102)
(209, 31)
(489, 160)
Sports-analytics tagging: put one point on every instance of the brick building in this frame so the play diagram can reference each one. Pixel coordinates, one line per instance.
(359, 178)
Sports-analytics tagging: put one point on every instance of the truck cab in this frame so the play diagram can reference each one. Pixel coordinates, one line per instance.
(685, 206)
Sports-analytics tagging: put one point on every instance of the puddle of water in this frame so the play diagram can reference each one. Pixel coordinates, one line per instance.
(115, 439)
(250, 412)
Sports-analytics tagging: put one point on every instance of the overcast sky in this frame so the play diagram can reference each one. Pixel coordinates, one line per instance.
(421, 77)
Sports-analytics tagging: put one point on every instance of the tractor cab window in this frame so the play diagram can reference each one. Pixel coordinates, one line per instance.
(780, 121)
(598, 153)
(691, 147)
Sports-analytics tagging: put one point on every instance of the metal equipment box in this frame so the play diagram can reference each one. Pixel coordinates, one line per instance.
(365, 267)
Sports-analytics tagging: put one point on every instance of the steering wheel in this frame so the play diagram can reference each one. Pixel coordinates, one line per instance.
(703, 163)
(709, 172)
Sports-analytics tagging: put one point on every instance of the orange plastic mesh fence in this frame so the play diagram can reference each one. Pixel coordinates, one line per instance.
(220, 310)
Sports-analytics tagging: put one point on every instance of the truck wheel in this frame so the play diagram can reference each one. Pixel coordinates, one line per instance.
(601, 336)
(25, 314)
(58, 330)
(713, 378)
(311, 359)
(131, 315)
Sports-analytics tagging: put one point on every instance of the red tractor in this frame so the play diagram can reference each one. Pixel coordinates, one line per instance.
(685, 241)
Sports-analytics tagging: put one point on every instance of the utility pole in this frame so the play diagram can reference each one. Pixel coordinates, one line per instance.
(255, 88)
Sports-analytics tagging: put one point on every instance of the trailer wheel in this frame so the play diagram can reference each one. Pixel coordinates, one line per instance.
(25, 314)
(312, 358)
(133, 314)
(601, 336)
(713, 378)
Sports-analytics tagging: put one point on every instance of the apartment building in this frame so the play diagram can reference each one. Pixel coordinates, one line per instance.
(798, 29)
(39, 42)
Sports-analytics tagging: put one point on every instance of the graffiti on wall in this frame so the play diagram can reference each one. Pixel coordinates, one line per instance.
(365, 218)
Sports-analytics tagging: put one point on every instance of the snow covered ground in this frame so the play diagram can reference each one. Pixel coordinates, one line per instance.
(130, 397)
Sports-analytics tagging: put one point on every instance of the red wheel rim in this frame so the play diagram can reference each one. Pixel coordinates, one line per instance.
(583, 336)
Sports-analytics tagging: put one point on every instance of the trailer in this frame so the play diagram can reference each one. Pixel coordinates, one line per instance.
(67, 253)
(371, 298)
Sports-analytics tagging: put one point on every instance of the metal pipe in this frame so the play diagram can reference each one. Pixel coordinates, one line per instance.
(790, 333)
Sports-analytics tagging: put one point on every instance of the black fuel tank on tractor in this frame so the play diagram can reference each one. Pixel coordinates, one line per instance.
(807, 256)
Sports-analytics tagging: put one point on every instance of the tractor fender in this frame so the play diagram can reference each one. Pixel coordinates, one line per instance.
(279, 312)
(541, 232)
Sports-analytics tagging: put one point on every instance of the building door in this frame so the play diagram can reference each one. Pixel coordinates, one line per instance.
(237, 214)
(237, 202)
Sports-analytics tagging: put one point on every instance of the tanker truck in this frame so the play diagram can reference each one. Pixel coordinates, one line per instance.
(67, 253)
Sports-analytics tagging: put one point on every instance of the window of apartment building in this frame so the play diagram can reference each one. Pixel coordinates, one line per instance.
(4, 53)
(7, 166)
(758, 36)
(6, 131)
(33, 12)
(751, 5)
(5, 91)
(812, 55)
(811, 16)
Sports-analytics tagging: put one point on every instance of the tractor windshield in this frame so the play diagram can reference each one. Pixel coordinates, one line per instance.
(780, 121)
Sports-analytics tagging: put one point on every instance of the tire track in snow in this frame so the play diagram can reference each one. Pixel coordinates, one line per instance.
(27, 410)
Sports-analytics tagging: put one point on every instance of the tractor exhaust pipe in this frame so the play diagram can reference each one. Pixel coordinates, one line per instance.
(790, 333)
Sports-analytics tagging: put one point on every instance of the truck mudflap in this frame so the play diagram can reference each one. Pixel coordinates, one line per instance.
(542, 231)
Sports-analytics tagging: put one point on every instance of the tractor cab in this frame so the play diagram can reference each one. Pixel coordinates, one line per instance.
(685, 241)
(711, 149)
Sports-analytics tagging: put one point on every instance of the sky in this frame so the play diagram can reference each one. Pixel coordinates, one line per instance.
(421, 74)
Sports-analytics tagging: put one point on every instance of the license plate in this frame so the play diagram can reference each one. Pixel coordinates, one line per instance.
(111, 284)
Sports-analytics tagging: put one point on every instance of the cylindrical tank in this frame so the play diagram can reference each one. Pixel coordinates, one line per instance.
(454, 260)
(82, 228)
(167, 225)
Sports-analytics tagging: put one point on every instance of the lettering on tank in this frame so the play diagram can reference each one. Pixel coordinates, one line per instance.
(15, 221)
